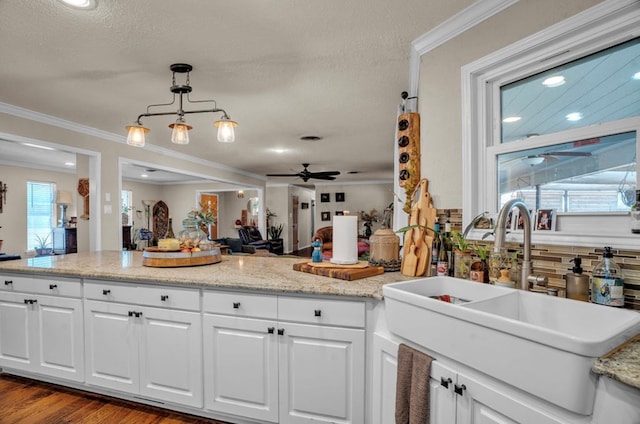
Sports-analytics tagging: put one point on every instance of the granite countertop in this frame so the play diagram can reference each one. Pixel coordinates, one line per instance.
(271, 274)
(622, 363)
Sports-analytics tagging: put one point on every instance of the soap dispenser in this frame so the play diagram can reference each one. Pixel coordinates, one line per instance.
(577, 282)
(607, 282)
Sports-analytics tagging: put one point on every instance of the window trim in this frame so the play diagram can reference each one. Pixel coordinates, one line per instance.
(604, 25)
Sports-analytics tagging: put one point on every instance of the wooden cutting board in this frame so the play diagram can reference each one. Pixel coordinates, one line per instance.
(348, 274)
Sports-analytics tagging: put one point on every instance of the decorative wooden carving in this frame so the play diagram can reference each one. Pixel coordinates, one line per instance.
(83, 190)
(160, 219)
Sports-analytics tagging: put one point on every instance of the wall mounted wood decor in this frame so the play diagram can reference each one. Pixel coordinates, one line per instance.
(409, 154)
(83, 190)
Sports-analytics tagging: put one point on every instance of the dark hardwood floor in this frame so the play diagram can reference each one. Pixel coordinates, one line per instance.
(25, 401)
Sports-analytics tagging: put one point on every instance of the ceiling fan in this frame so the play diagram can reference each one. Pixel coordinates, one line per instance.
(306, 175)
(551, 157)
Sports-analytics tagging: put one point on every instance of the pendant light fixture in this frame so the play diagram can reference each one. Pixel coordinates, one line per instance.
(180, 133)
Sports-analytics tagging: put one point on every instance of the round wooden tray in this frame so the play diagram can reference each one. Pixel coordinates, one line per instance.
(158, 258)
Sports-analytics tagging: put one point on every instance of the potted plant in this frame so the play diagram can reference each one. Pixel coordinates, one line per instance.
(204, 217)
(480, 267)
(43, 246)
(461, 255)
(275, 232)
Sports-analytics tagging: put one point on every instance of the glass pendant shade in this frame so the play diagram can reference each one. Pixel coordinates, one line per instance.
(180, 134)
(135, 137)
(226, 133)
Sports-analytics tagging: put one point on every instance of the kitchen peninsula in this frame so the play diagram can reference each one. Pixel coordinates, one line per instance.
(234, 341)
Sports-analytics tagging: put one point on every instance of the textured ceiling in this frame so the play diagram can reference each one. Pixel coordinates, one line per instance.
(282, 70)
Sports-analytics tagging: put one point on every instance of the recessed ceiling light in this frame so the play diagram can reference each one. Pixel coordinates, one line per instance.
(574, 116)
(278, 150)
(144, 175)
(555, 81)
(310, 138)
(80, 4)
(636, 76)
(511, 119)
(37, 146)
(69, 163)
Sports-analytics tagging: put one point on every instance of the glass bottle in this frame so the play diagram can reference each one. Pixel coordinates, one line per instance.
(443, 261)
(170, 233)
(607, 282)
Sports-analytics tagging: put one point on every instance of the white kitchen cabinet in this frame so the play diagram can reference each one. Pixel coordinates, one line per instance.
(383, 382)
(284, 360)
(456, 395)
(41, 333)
(478, 400)
(147, 351)
(241, 366)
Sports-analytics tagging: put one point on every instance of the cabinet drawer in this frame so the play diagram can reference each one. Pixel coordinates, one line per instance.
(55, 286)
(160, 296)
(322, 311)
(240, 304)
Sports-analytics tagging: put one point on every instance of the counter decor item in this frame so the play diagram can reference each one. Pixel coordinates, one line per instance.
(577, 282)
(418, 237)
(498, 262)
(342, 272)
(607, 281)
(384, 247)
(316, 256)
(345, 239)
(154, 257)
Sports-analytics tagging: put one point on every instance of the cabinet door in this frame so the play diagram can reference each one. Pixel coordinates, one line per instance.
(321, 374)
(442, 398)
(482, 403)
(17, 332)
(241, 366)
(111, 346)
(170, 355)
(60, 337)
(385, 372)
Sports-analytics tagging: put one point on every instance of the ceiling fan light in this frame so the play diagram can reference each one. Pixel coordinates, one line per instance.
(180, 133)
(135, 136)
(226, 132)
(533, 160)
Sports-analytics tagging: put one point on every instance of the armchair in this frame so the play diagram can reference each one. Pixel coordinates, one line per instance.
(251, 236)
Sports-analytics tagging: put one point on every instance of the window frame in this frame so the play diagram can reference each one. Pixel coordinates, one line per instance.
(602, 26)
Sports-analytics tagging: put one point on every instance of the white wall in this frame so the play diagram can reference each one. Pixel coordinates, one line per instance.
(358, 198)
(13, 219)
(439, 87)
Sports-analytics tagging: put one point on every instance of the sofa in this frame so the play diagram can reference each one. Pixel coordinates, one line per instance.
(251, 236)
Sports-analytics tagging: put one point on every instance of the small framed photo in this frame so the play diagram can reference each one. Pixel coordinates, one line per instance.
(511, 219)
(304, 205)
(325, 197)
(325, 216)
(520, 219)
(339, 197)
(545, 220)
(339, 213)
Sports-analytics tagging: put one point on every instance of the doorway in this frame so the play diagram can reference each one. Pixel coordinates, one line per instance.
(209, 203)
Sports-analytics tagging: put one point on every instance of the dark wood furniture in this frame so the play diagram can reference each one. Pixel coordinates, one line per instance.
(126, 237)
(65, 240)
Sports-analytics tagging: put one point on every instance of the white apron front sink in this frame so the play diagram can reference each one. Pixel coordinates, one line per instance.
(541, 344)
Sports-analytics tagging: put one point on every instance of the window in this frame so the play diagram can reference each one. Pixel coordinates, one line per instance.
(126, 202)
(40, 208)
(554, 119)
